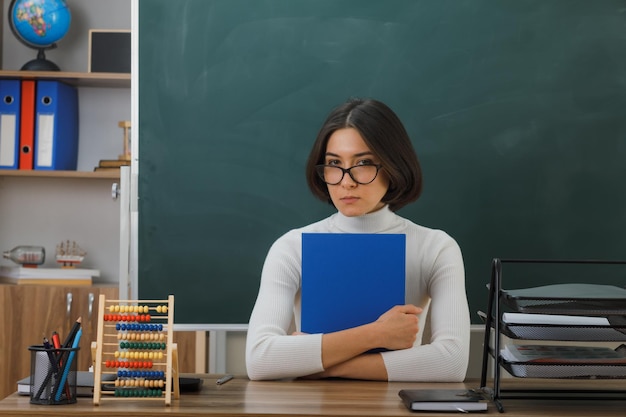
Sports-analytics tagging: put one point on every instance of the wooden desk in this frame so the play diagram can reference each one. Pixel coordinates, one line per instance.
(241, 397)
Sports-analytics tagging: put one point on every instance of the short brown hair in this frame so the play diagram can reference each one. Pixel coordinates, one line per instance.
(385, 135)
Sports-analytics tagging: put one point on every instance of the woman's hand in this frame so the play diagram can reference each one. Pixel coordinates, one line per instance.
(397, 328)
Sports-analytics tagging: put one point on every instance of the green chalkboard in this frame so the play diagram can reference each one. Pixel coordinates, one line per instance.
(517, 110)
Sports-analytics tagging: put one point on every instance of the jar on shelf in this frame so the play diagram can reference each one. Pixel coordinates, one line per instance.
(26, 255)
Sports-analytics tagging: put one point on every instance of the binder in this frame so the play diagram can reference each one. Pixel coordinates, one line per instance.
(9, 123)
(27, 125)
(350, 279)
(56, 126)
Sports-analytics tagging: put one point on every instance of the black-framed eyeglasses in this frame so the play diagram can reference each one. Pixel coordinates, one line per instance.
(361, 174)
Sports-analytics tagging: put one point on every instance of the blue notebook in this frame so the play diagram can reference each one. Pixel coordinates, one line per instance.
(350, 279)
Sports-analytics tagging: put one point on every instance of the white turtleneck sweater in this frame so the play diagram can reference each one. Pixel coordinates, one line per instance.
(435, 281)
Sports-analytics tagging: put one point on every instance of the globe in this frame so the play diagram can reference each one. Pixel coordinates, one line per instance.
(39, 24)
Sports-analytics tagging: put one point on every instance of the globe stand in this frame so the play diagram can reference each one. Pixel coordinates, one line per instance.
(41, 63)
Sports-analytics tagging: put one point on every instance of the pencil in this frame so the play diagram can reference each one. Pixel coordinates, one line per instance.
(70, 337)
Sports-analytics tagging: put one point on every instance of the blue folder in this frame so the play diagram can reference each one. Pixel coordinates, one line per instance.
(350, 279)
(56, 126)
(9, 123)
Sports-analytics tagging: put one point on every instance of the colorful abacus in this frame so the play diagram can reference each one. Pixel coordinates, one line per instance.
(135, 343)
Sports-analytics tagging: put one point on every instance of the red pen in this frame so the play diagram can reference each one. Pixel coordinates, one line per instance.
(56, 341)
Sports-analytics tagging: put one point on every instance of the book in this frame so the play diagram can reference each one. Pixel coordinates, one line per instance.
(84, 383)
(47, 281)
(458, 400)
(51, 276)
(107, 169)
(113, 163)
(350, 279)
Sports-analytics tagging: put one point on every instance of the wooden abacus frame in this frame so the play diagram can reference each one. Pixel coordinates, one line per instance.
(109, 336)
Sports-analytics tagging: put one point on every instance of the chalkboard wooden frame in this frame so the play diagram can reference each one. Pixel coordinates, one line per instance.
(515, 109)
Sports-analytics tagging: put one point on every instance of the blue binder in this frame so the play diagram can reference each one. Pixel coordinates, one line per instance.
(9, 123)
(350, 279)
(56, 126)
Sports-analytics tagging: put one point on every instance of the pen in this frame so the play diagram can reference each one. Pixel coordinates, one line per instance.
(224, 379)
(48, 347)
(56, 341)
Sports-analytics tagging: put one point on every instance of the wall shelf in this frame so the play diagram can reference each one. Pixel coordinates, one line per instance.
(114, 174)
(78, 79)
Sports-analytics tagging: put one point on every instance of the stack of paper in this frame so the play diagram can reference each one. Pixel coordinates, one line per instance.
(562, 354)
(50, 276)
(565, 327)
(563, 361)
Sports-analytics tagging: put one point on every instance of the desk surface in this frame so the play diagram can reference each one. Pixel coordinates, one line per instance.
(241, 397)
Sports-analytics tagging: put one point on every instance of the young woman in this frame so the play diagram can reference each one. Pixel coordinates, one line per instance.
(363, 163)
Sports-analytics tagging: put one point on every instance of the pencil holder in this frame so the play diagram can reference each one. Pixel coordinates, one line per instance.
(53, 375)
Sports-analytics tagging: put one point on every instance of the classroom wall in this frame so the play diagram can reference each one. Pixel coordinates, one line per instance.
(93, 217)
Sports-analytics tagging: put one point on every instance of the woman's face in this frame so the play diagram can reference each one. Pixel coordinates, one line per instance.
(346, 148)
